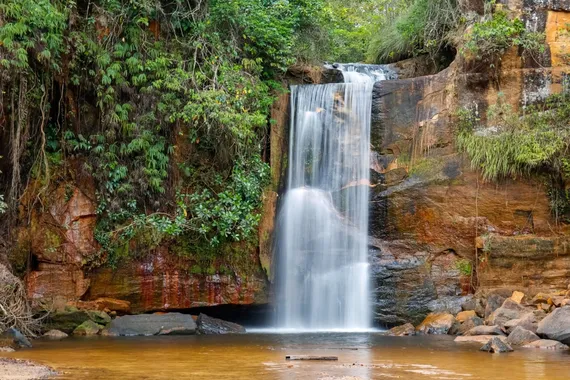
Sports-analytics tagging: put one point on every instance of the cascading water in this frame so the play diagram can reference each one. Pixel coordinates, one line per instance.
(323, 222)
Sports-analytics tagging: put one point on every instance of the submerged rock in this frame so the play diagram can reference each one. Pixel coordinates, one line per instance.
(87, 328)
(210, 325)
(497, 346)
(403, 330)
(436, 323)
(547, 344)
(556, 325)
(484, 330)
(520, 337)
(152, 324)
(55, 334)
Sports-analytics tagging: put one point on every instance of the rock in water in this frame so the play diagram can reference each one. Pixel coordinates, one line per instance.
(478, 338)
(55, 334)
(556, 325)
(403, 330)
(484, 330)
(87, 328)
(18, 338)
(152, 324)
(209, 325)
(436, 323)
(520, 337)
(497, 346)
(547, 344)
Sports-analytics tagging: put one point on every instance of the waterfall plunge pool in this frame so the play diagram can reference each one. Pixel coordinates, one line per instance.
(262, 356)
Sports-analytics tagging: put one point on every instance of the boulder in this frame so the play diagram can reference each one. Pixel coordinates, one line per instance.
(520, 337)
(540, 298)
(152, 324)
(6, 349)
(436, 323)
(450, 304)
(465, 315)
(494, 301)
(484, 330)
(99, 317)
(518, 296)
(496, 345)
(478, 338)
(403, 330)
(508, 311)
(474, 304)
(55, 335)
(14, 338)
(87, 328)
(547, 344)
(215, 326)
(528, 321)
(66, 319)
(469, 324)
(556, 325)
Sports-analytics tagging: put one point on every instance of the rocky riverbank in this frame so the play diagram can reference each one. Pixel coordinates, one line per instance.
(502, 323)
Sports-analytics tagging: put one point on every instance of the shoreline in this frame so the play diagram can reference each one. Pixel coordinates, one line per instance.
(19, 369)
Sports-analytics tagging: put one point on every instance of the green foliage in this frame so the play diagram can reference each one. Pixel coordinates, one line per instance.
(535, 142)
(491, 38)
(420, 27)
(464, 267)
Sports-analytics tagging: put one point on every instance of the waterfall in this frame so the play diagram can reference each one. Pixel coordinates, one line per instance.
(323, 221)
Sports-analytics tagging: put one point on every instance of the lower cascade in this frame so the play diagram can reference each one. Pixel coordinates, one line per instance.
(323, 278)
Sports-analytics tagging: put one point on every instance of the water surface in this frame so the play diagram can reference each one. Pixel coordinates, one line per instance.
(262, 356)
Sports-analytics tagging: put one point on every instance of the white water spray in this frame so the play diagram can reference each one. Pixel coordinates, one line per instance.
(323, 222)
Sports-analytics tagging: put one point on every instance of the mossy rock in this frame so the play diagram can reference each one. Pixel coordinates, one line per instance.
(87, 328)
(99, 317)
(67, 319)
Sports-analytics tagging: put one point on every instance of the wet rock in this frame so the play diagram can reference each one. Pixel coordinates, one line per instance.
(436, 323)
(497, 346)
(494, 301)
(520, 337)
(478, 338)
(14, 336)
(55, 335)
(509, 310)
(528, 321)
(547, 344)
(465, 315)
(403, 330)
(556, 325)
(518, 296)
(209, 325)
(152, 324)
(87, 328)
(485, 330)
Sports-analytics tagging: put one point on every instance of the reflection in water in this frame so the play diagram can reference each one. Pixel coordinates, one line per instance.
(262, 356)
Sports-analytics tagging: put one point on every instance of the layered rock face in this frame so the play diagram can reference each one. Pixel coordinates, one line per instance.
(432, 215)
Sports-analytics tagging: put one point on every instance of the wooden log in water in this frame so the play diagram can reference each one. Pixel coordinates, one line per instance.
(310, 357)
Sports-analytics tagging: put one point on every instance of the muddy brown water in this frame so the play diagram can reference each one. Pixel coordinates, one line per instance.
(262, 356)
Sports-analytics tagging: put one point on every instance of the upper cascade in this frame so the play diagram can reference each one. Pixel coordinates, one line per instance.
(361, 72)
